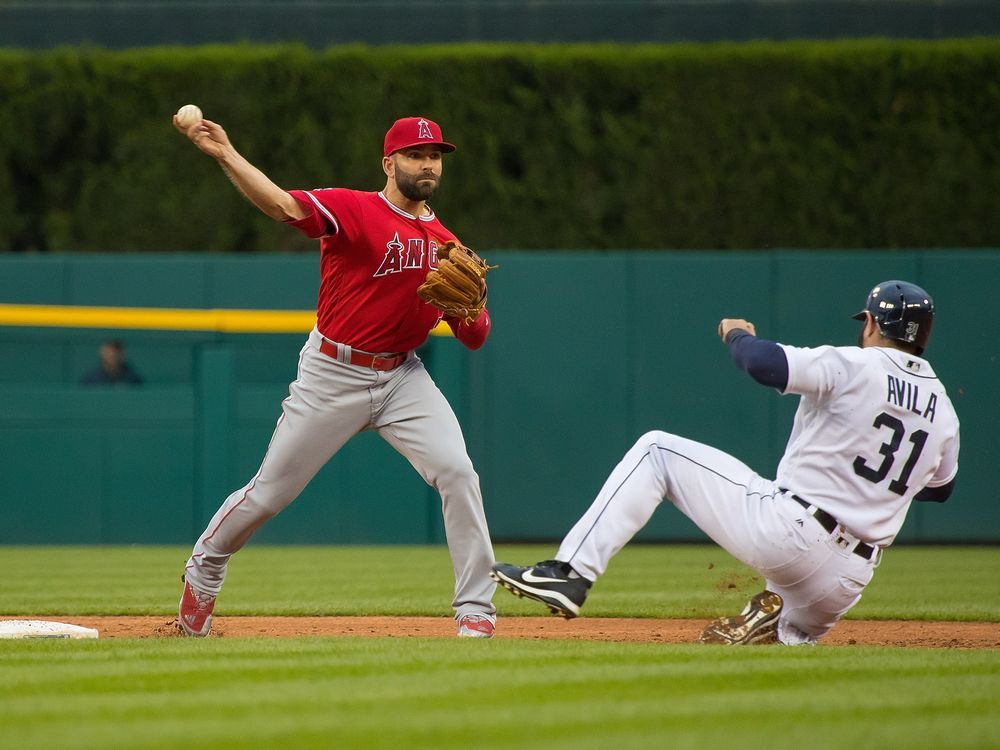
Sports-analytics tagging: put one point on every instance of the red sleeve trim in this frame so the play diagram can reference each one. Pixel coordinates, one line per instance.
(319, 222)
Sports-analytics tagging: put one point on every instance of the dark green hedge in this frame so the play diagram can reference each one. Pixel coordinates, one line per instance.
(872, 143)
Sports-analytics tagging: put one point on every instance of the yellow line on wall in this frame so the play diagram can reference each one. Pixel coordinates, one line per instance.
(166, 319)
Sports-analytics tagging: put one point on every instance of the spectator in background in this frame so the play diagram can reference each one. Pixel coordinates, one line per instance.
(114, 368)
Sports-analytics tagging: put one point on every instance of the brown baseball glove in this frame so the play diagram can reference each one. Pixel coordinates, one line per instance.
(457, 286)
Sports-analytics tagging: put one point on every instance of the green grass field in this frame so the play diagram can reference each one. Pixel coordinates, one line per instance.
(955, 583)
(505, 693)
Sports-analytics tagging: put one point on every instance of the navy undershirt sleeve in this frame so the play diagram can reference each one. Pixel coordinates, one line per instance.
(935, 494)
(761, 359)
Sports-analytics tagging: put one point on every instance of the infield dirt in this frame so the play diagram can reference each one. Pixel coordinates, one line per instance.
(906, 633)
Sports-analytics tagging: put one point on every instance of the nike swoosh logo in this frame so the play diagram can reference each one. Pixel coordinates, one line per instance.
(546, 596)
(532, 578)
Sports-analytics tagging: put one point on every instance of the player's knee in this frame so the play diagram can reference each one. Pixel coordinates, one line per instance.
(654, 437)
(265, 501)
(463, 473)
(457, 472)
(660, 448)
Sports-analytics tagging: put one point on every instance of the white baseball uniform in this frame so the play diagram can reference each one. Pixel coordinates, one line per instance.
(874, 426)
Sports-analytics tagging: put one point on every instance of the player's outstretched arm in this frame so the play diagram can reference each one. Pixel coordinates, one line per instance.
(762, 360)
(211, 139)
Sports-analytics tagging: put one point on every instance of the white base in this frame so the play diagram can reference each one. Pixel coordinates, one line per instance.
(43, 629)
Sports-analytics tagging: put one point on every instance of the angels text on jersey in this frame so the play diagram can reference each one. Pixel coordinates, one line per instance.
(400, 257)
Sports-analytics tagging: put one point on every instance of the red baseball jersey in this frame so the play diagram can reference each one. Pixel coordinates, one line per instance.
(373, 257)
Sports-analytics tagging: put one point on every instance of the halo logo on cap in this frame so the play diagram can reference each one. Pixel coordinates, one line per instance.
(414, 131)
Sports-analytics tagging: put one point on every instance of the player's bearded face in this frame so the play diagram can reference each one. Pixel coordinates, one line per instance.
(417, 179)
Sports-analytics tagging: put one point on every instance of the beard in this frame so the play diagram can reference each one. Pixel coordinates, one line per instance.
(411, 187)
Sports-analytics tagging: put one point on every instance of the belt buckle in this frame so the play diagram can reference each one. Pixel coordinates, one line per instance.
(374, 362)
(842, 540)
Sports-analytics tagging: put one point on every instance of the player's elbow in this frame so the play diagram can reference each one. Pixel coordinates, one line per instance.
(762, 360)
(286, 208)
(935, 494)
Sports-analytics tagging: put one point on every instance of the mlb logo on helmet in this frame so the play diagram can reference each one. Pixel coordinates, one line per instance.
(414, 131)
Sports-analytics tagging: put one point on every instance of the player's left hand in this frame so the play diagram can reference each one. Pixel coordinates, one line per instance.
(731, 324)
(457, 286)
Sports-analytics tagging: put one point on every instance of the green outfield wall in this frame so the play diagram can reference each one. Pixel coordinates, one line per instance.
(548, 406)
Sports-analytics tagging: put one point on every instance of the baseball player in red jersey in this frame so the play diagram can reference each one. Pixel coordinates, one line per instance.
(357, 370)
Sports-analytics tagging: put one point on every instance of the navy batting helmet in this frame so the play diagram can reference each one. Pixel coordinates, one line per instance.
(903, 312)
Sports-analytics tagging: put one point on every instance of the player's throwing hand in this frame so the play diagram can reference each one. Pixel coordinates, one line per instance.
(208, 136)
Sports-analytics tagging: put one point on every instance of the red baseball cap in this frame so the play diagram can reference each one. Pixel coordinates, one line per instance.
(415, 131)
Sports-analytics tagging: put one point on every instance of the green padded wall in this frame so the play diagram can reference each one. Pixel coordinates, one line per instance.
(547, 406)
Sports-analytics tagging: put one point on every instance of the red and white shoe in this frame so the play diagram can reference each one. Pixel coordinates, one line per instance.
(195, 611)
(475, 626)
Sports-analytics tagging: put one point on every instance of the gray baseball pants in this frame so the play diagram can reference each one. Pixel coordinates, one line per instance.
(330, 402)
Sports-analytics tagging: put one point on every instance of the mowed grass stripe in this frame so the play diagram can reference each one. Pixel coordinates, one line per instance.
(423, 693)
(689, 581)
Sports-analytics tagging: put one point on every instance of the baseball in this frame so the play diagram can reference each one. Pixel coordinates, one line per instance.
(188, 115)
